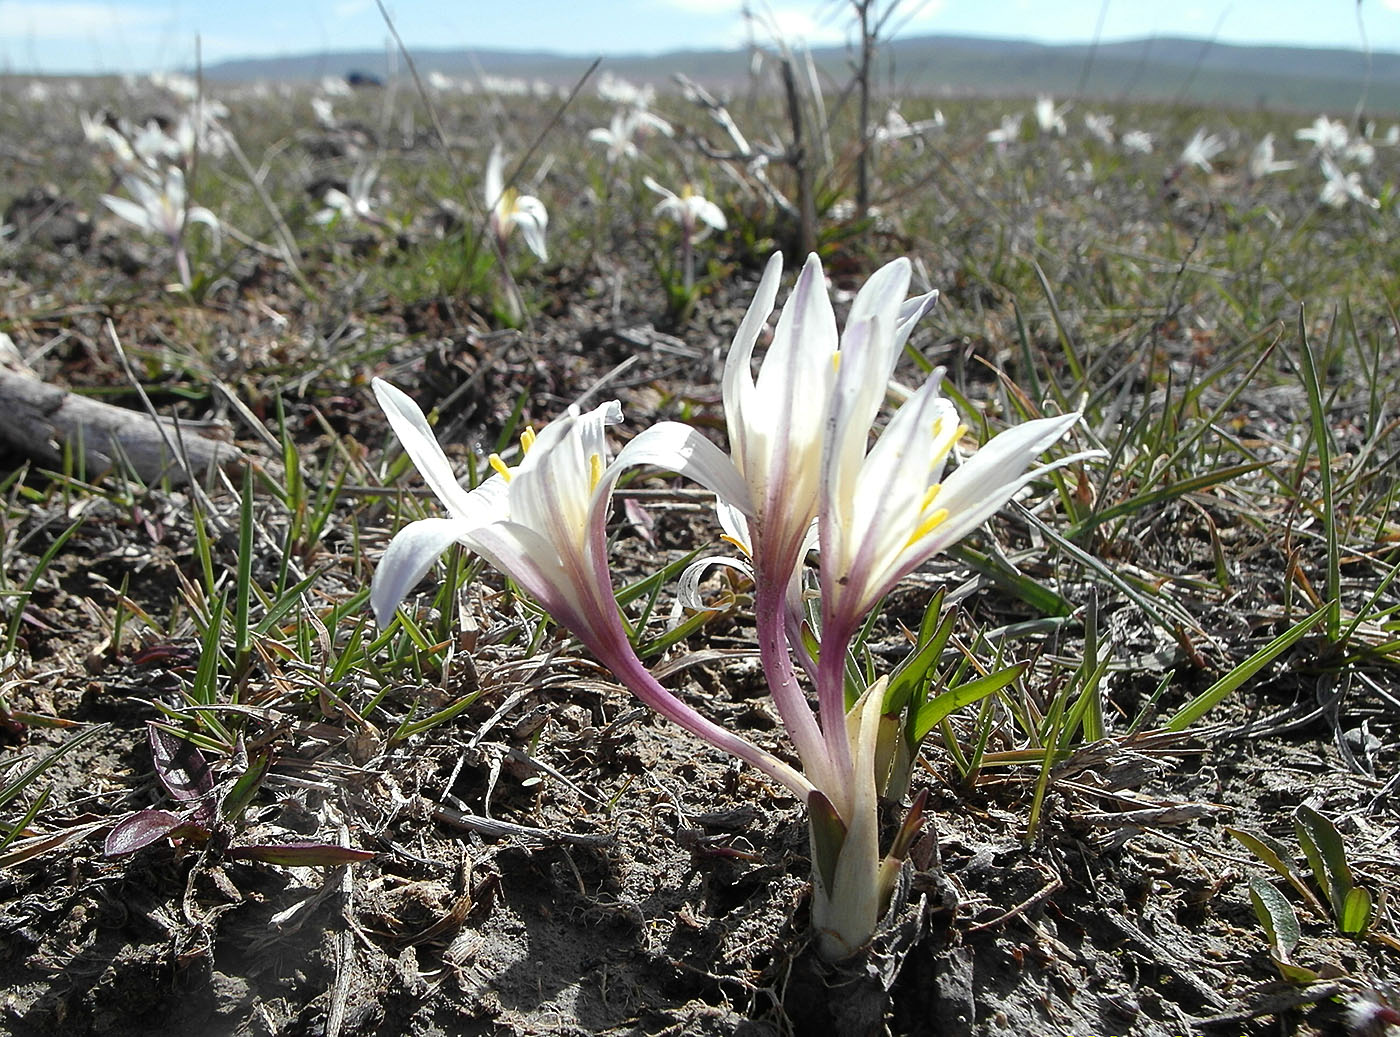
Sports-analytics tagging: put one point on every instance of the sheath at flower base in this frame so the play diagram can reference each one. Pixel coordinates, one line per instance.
(543, 523)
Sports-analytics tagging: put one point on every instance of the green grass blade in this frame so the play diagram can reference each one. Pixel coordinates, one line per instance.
(1217, 692)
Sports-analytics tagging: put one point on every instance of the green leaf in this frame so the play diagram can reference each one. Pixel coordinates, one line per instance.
(913, 670)
(1034, 593)
(940, 706)
(1318, 409)
(1356, 911)
(244, 789)
(1327, 857)
(828, 834)
(1212, 696)
(1276, 855)
(1276, 915)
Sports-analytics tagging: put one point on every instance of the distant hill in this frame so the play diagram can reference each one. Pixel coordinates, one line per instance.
(1308, 80)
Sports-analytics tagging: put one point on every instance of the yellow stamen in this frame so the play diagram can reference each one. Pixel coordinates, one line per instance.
(942, 452)
(732, 540)
(929, 497)
(500, 466)
(527, 439)
(928, 525)
(595, 470)
(836, 361)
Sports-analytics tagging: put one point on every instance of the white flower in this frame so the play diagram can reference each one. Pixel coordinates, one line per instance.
(109, 139)
(616, 90)
(626, 125)
(356, 202)
(696, 214)
(1200, 149)
(323, 108)
(1100, 126)
(186, 88)
(1137, 142)
(887, 510)
(510, 209)
(1360, 151)
(160, 206)
(1262, 162)
(1048, 118)
(543, 522)
(1339, 189)
(896, 128)
(155, 147)
(1007, 132)
(1327, 136)
(335, 86)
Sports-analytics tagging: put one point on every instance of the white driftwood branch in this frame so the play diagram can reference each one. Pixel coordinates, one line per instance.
(40, 420)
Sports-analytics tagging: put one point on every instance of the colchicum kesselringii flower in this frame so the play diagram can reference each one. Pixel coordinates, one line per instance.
(802, 476)
(162, 207)
(696, 216)
(510, 209)
(543, 523)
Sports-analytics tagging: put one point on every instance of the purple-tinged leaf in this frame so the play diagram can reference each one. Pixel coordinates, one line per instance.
(300, 855)
(179, 765)
(139, 830)
(909, 828)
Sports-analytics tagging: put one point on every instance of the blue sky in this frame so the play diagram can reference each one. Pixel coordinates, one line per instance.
(146, 35)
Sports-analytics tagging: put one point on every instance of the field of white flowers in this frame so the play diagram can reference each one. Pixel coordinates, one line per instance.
(455, 579)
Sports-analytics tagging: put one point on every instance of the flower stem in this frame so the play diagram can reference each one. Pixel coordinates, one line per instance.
(617, 656)
(831, 698)
(770, 617)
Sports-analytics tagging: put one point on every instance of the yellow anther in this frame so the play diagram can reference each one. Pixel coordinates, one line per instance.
(928, 525)
(527, 439)
(942, 452)
(742, 547)
(929, 495)
(836, 361)
(595, 470)
(500, 466)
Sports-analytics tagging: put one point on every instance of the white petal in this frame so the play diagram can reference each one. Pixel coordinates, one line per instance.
(530, 216)
(737, 386)
(199, 214)
(993, 475)
(664, 192)
(422, 447)
(129, 211)
(407, 560)
(910, 314)
(681, 449)
(710, 213)
(494, 185)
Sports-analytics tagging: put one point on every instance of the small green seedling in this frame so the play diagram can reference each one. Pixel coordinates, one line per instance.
(1280, 924)
(1346, 903)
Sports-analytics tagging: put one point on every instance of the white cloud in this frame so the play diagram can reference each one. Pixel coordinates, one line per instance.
(65, 20)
